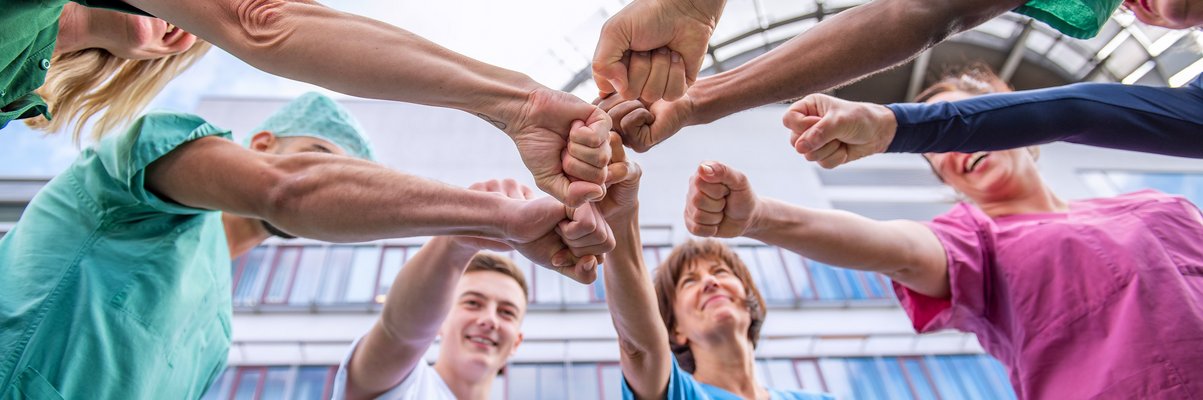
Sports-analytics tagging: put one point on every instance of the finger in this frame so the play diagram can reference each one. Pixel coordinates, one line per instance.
(609, 73)
(716, 172)
(608, 102)
(837, 158)
(527, 194)
(638, 71)
(703, 202)
(512, 189)
(823, 152)
(584, 271)
(704, 217)
(578, 193)
(617, 153)
(675, 87)
(700, 230)
(622, 172)
(478, 186)
(712, 190)
(653, 89)
(799, 123)
(584, 171)
(594, 157)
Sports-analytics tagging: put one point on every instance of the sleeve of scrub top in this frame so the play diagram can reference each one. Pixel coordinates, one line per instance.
(681, 386)
(1157, 120)
(115, 5)
(126, 156)
(968, 248)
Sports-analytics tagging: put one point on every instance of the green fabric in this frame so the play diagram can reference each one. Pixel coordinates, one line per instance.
(109, 291)
(1081, 19)
(28, 30)
(318, 116)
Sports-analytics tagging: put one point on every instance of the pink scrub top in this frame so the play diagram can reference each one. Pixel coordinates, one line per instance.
(1103, 301)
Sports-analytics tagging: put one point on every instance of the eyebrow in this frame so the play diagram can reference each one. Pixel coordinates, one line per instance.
(473, 293)
(321, 148)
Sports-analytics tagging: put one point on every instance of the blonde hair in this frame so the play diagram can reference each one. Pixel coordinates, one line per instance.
(84, 83)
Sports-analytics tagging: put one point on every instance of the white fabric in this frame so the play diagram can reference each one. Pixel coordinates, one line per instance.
(423, 383)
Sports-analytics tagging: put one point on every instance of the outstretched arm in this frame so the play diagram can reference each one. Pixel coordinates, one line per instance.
(643, 342)
(417, 304)
(342, 199)
(721, 203)
(309, 42)
(1149, 119)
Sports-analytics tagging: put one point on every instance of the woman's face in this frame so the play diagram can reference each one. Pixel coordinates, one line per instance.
(986, 176)
(137, 37)
(710, 300)
(1175, 14)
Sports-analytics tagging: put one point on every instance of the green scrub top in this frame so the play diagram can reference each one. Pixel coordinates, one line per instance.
(112, 292)
(28, 30)
(1080, 19)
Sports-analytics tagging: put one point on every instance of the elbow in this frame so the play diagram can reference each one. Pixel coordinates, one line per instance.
(262, 25)
(288, 184)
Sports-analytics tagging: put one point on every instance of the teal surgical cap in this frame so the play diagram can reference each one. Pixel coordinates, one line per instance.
(318, 116)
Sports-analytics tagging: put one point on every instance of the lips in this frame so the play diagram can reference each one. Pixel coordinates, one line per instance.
(970, 164)
(481, 340)
(713, 299)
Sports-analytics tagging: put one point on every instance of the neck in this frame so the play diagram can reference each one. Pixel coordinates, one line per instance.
(1040, 199)
(74, 32)
(242, 234)
(466, 387)
(729, 364)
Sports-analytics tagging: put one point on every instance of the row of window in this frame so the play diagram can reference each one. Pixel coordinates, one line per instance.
(348, 275)
(928, 377)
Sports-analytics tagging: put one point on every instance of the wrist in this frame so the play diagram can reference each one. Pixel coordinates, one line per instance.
(703, 10)
(452, 248)
(505, 100)
(762, 218)
(886, 124)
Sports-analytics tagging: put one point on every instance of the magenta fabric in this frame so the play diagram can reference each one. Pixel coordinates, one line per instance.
(1104, 301)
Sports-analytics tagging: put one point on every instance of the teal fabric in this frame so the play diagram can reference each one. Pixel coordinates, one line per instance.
(318, 116)
(682, 386)
(28, 31)
(1081, 19)
(108, 290)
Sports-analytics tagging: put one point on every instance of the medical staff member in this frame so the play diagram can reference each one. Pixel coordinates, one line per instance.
(692, 333)
(1098, 298)
(94, 62)
(116, 278)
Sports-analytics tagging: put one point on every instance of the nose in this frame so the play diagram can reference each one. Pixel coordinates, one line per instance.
(709, 283)
(486, 320)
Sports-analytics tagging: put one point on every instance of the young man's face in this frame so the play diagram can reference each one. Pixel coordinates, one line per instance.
(482, 331)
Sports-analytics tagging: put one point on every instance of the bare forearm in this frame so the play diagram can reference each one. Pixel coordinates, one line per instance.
(347, 53)
(843, 48)
(836, 237)
(416, 305)
(633, 308)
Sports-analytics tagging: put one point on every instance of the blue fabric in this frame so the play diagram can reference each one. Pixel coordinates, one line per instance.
(682, 386)
(1158, 120)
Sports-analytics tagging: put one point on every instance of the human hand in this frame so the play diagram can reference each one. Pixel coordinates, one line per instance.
(653, 49)
(720, 202)
(832, 131)
(622, 184)
(642, 128)
(564, 143)
(532, 227)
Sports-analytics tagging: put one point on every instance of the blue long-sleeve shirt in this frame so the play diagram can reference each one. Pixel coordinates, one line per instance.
(1148, 119)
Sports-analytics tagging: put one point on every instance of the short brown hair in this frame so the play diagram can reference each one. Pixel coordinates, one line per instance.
(974, 78)
(666, 289)
(493, 262)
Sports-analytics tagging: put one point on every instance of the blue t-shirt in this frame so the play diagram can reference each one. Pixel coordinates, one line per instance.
(682, 386)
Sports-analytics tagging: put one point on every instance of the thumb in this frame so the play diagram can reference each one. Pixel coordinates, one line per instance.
(572, 194)
(716, 172)
(609, 72)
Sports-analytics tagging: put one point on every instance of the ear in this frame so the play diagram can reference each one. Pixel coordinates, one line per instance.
(679, 338)
(263, 141)
(517, 344)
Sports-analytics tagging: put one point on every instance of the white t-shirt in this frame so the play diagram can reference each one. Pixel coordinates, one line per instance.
(423, 383)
